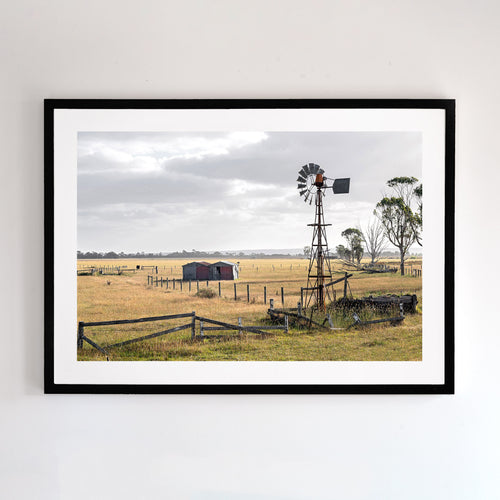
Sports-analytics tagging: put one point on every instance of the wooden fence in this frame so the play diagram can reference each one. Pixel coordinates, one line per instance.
(297, 316)
(248, 288)
(191, 285)
(202, 322)
(104, 270)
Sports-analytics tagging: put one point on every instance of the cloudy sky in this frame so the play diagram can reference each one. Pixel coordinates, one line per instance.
(141, 191)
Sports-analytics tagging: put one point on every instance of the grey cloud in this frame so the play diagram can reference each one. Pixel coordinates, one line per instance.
(249, 191)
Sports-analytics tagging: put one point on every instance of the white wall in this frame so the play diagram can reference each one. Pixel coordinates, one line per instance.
(246, 447)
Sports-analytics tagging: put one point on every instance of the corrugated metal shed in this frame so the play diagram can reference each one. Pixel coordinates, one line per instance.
(196, 271)
(201, 270)
(223, 270)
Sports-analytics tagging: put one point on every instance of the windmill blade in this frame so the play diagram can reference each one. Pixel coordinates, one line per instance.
(321, 171)
(302, 171)
(301, 179)
(302, 192)
(314, 168)
(307, 197)
(306, 169)
(301, 186)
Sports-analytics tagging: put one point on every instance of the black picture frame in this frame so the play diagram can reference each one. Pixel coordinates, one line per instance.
(52, 386)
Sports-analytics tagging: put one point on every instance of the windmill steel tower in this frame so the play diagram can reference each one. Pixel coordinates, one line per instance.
(313, 185)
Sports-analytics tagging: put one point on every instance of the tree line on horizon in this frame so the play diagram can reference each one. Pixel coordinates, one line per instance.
(194, 254)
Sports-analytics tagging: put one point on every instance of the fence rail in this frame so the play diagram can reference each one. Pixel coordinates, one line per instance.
(220, 325)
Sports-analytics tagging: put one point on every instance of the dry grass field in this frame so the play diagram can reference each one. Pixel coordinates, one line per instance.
(128, 296)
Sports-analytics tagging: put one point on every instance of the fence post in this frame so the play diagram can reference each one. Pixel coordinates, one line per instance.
(248, 293)
(265, 295)
(193, 326)
(219, 290)
(301, 297)
(181, 285)
(156, 269)
(235, 296)
(161, 282)
(299, 308)
(282, 297)
(330, 322)
(271, 304)
(79, 342)
(167, 283)
(207, 283)
(173, 281)
(240, 323)
(201, 329)
(148, 279)
(189, 285)
(197, 285)
(345, 286)
(286, 323)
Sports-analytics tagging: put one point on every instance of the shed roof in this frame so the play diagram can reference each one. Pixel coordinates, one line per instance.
(227, 263)
(198, 263)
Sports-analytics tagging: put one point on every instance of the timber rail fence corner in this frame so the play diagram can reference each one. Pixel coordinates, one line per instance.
(262, 330)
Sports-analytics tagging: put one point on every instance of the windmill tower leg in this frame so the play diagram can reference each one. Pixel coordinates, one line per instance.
(319, 264)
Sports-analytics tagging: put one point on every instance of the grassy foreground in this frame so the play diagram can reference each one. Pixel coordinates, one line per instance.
(128, 296)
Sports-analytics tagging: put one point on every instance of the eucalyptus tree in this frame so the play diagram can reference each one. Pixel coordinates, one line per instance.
(402, 225)
(354, 239)
(343, 252)
(418, 216)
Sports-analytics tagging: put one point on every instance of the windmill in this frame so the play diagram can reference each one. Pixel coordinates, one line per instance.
(313, 186)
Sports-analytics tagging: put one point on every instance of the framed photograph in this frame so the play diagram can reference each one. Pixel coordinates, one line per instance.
(249, 246)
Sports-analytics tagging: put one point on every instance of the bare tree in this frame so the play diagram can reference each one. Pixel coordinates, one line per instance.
(374, 239)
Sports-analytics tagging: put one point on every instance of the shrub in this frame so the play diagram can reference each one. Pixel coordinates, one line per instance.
(206, 293)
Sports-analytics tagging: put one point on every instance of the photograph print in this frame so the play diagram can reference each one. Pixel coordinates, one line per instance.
(252, 248)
